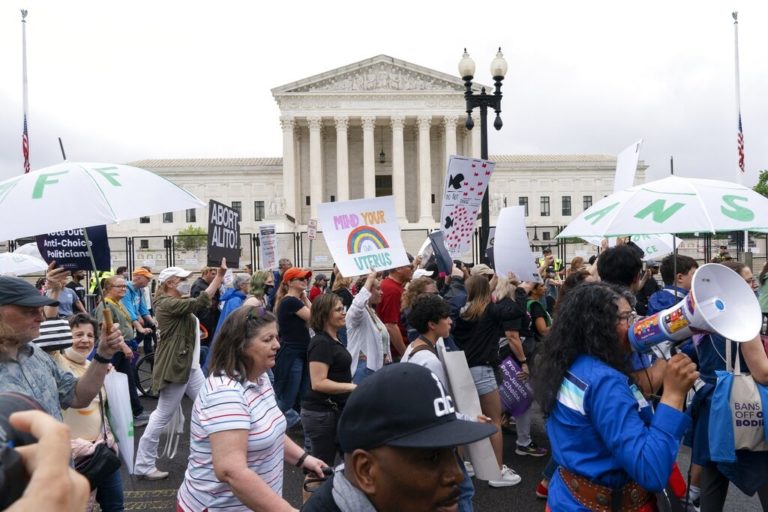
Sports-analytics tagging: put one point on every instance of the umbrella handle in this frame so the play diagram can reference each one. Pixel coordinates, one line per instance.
(108, 320)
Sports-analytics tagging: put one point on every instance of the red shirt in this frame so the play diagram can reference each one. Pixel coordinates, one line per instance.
(314, 293)
(389, 308)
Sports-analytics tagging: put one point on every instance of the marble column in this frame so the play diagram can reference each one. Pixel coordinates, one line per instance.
(425, 172)
(398, 167)
(449, 126)
(476, 134)
(315, 164)
(290, 181)
(342, 159)
(369, 157)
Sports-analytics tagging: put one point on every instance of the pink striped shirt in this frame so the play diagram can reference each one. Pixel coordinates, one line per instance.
(225, 404)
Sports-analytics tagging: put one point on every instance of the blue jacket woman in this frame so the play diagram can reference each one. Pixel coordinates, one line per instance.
(605, 446)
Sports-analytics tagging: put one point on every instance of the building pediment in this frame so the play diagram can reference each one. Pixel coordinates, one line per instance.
(380, 74)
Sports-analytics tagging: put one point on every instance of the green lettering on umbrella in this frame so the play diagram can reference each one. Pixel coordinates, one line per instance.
(7, 187)
(659, 211)
(736, 212)
(599, 214)
(109, 175)
(42, 181)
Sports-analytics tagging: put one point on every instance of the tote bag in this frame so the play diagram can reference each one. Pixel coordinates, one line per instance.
(737, 415)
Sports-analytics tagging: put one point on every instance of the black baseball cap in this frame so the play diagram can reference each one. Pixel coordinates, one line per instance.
(404, 405)
(16, 291)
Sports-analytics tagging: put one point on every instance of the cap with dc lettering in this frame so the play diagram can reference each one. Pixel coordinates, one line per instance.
(404, 405)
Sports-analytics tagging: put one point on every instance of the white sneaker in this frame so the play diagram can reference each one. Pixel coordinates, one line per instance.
(508, 478)
(469, 468)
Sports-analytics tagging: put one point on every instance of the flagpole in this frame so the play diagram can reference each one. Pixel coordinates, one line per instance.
(25, 133)
(740, 133)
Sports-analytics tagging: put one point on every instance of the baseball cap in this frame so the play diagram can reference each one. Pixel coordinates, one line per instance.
(320, 277)
(296, 273)
(404, 405)
(481, 269)
(143, 273)
(173, 272)
(651, 263)
(16, 291)
(422, 272)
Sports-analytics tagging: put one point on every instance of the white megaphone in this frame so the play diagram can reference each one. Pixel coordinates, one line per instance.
(720, 302)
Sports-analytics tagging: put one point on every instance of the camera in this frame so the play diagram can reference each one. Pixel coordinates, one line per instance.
(13, 475)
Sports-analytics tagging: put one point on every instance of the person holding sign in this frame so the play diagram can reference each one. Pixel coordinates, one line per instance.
(177, 357)
(292, 308)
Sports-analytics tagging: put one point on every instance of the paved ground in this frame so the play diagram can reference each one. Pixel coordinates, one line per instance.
(143, 495)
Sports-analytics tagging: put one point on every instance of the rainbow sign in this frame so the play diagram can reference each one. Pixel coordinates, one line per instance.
(363, 235)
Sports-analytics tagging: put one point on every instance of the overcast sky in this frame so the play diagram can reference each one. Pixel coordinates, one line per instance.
(169, 79)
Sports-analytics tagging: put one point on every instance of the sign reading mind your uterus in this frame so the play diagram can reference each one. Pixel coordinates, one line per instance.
(362, 234)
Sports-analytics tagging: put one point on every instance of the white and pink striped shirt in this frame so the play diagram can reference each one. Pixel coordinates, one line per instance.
(225, 404)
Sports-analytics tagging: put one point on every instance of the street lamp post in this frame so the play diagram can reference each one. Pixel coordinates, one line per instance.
(483, 100)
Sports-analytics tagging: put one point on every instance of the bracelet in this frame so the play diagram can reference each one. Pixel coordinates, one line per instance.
(300, 462)
(101, 359)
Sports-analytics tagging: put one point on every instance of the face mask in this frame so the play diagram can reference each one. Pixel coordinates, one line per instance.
(268, 289)
(184, 287)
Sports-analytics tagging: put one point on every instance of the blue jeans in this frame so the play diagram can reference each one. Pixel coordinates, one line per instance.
(466, 489)
(109, 495)
(361, 372)
(291, 380)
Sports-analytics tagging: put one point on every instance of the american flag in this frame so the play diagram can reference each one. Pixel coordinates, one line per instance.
(740, 145)
(25, 146)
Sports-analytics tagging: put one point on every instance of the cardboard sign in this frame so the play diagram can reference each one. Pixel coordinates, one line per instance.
(223, 235)
(512, 252)
(465, 184)
(363, 234)
(69, 250)
(268, 246)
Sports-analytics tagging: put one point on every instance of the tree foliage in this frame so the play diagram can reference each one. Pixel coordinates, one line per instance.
(762, 183)
(192, 238)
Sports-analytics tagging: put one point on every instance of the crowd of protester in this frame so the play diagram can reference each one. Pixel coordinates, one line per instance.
(286, 351)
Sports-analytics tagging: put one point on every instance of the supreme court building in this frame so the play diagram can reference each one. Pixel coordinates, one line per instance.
(377, 127)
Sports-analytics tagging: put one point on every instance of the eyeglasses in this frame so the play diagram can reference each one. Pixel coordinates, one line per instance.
(340, 309)
(119, 286)
(628, 317)
(299, 279)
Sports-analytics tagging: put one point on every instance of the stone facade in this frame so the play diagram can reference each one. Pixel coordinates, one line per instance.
(377, 127)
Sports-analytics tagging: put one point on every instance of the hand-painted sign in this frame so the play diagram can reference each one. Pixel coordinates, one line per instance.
(362, 234)
(465, 184)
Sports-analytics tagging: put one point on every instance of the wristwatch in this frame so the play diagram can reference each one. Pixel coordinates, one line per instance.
(101, 359)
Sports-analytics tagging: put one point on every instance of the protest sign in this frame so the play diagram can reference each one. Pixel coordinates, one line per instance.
(442, 256)
(312, 229)
(489, 248)
(362, 234)
(223, 235)
(465, 184)
(268, 246)
(69, 250)
(511, 249)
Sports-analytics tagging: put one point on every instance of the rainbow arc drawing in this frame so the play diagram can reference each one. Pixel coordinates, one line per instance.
(365, 238)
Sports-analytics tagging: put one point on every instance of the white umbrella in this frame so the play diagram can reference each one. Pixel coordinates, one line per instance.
(13, 264)
(672, 205)
(74, 195)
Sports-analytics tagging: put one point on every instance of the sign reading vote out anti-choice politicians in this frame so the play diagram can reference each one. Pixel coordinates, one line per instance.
(69, 250)
(465, 184)
(223, 235)
(362, 234)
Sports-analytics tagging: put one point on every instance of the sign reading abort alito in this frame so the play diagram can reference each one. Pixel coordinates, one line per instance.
(223, 235)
